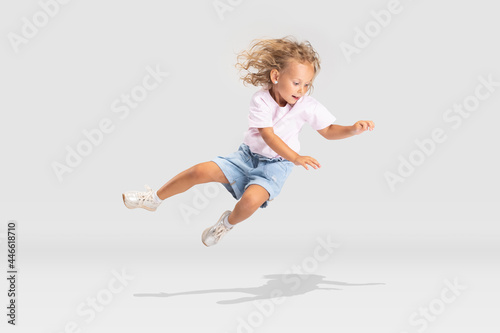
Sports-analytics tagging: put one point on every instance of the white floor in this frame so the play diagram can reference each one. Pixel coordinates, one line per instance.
(349, 282)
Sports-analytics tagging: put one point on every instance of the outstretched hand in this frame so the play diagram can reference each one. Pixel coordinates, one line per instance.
(305, 161)
(362, 126)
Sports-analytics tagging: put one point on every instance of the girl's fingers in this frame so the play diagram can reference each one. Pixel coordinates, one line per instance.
(313, 163)
(365, 125)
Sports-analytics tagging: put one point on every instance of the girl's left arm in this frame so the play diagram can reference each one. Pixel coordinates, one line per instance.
(336, 132)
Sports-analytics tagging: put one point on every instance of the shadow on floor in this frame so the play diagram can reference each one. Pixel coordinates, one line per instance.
(287, 285)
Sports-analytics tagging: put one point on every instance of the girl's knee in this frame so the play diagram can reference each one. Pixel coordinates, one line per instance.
(254, 199)
(250, 204)
(197, 172)
(193, 171)
(207, 172)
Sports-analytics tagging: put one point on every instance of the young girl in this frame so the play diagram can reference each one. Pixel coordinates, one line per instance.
(255, 174)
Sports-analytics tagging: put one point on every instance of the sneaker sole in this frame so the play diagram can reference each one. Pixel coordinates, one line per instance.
(203, 236)
(132, 207)
(207, 229)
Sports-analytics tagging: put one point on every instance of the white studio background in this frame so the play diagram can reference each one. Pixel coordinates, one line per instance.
(409, 74)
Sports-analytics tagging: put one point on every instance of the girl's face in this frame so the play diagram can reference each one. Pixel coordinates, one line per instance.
(293, 82)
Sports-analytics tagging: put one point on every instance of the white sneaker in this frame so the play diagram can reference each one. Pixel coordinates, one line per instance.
(136, 199)
(214, 234)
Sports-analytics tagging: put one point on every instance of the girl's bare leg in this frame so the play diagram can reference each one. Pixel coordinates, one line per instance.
(200, 173)
(253, 197)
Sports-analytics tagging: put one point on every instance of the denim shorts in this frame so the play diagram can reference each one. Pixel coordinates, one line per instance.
(244, 168)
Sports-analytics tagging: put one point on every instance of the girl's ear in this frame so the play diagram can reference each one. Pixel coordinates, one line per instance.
(274, 75)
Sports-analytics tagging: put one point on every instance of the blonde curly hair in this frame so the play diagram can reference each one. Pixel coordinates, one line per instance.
(264, 55)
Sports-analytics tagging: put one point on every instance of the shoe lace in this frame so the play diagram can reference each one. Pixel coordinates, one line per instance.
(147, 196)
(219, 231)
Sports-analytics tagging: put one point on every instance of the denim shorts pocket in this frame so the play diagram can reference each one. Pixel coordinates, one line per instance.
(277, 171)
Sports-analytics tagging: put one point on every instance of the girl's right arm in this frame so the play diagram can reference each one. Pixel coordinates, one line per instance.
(282, 149)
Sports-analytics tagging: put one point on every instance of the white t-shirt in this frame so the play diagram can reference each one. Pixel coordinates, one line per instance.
(286, 121)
